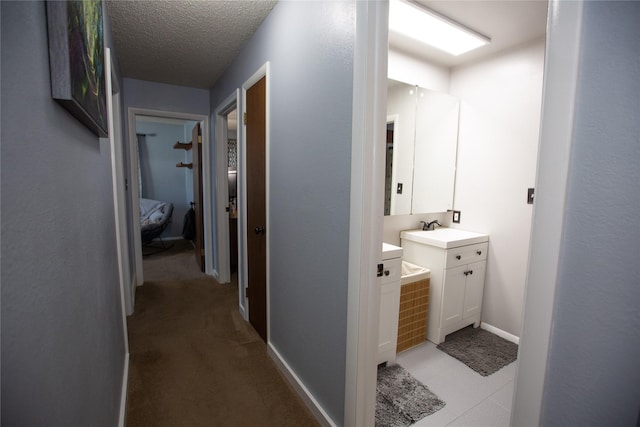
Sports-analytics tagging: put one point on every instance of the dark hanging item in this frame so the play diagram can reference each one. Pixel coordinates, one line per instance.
(189, 225)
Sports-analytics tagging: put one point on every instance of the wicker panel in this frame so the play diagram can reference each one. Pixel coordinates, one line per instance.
(414, 309)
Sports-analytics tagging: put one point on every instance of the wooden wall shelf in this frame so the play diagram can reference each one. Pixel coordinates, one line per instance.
(181, 145)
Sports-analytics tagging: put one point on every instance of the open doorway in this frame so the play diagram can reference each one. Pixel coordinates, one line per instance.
(236, 189)
(160, 175)
(500, 93)
(170, 182)
(232, 180)
(228, 191)
(165, 170)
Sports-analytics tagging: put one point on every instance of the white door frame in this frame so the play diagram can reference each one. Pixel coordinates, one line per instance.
(562, 61)
(367, 208)
(206, 179)
(561, 71)
(117, 177)
(243, 266)
(223, 274)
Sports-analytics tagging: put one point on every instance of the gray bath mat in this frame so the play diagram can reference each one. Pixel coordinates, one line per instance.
(480, 350)
(401, 400)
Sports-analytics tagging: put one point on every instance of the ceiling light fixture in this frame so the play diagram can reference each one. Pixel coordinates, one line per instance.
(428, 27)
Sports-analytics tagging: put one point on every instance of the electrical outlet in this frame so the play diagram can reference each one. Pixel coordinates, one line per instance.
(399, 189)
(530, 196)
(456, 217)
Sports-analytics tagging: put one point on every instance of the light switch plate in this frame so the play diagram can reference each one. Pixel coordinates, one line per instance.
(456, 217)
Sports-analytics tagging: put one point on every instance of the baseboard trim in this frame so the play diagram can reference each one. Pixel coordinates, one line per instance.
(243, 312)
(321, 416)
(499, 332)
(123, 392)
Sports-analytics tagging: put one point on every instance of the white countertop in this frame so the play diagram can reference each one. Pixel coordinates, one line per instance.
(445, 238)
(391, 251)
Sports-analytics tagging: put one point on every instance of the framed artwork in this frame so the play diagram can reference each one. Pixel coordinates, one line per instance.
(76, 60)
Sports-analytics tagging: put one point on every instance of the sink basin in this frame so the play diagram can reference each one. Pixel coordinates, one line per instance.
(444, 238)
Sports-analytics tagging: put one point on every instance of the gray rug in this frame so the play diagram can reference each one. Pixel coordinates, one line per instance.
(401, 400)
(480, 350)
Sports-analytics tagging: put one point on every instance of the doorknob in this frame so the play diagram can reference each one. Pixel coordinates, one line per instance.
(259, 230)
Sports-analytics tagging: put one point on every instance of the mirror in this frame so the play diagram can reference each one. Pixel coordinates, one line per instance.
(401, 122)
(422, 139)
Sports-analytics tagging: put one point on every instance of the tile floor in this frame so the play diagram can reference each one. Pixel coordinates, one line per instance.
(471, 399)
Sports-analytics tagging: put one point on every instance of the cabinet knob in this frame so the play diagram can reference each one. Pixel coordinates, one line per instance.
(386, 272)
(466, 273)
(458, 257)
(470, 271)
(479, 252)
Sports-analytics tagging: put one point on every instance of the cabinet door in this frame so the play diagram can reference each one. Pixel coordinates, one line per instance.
(474, 288)
(453, 296)
(388, 329)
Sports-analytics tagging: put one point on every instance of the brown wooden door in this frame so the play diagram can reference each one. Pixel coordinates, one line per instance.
(256, 206)
(196, 139)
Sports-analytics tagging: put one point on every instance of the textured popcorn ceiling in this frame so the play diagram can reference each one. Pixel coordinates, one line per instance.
(186, 42)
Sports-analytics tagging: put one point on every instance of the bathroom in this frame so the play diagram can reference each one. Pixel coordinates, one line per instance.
(495, 152)
(500, 100)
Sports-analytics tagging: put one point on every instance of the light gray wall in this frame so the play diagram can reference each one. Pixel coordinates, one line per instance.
(62, 333)
(310, 46)
(165, 97)
(161, 179)
(593, 375)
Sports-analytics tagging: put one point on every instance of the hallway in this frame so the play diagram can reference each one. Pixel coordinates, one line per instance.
(194, 360)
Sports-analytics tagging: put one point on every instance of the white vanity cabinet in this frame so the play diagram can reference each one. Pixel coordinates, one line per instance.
(389, 284)
(458, 265)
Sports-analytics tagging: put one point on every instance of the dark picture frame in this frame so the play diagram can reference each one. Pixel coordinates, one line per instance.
(76, 60)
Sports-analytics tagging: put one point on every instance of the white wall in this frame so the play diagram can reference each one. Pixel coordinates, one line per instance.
(497, 155)
(410, 70)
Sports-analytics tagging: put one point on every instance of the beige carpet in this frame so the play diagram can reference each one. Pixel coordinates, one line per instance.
(194, 360)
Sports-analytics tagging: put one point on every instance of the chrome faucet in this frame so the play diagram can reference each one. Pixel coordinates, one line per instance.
(430, 225)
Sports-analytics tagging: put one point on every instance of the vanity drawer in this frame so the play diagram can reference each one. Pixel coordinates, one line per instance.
(466, 254)
(394, 268)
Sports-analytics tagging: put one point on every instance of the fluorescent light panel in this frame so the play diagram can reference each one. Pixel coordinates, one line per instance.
(427, 27)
